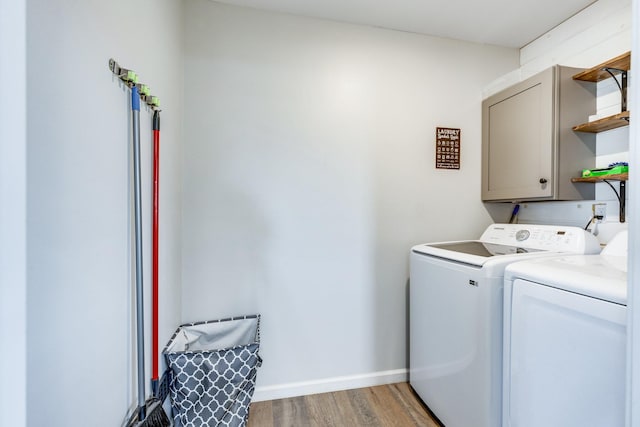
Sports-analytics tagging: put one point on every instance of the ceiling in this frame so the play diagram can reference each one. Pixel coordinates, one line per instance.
(510, 23)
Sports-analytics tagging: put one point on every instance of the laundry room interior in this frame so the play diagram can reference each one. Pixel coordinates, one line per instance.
(297, 172)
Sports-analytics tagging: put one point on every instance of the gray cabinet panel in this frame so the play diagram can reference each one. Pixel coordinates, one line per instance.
(528, 149)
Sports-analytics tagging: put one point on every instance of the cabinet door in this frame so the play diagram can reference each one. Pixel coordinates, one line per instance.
(519, 141)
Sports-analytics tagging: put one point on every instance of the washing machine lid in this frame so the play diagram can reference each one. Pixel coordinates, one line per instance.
(474, 252)
(482, 249)
(597, 276)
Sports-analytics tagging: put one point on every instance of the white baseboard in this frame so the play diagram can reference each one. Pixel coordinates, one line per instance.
(303, 388)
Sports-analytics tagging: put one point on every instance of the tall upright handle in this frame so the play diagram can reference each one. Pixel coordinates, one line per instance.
(137, 188)
(155, 246)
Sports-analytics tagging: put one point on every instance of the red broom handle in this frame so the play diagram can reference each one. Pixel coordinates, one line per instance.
(156, 188)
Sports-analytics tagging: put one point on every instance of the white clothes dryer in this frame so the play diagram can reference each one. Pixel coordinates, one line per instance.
(455, 320)
(565, 340)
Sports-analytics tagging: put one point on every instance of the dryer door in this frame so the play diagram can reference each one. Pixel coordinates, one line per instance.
(567, 359)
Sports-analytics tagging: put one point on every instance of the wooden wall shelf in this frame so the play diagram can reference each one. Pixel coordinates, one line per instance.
(619, 65)
(616, 177)
(612, 122)
(599, 73)
(622, 177)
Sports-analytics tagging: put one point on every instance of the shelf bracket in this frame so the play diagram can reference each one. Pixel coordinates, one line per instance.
(622, 85)
(622, 196)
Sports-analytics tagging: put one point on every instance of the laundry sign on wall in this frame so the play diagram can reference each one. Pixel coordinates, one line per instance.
(447, 148)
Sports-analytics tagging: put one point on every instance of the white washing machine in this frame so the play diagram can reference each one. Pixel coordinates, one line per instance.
(565, 340)
(456, 300)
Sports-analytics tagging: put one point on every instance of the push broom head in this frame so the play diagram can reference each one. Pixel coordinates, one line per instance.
(156, 417)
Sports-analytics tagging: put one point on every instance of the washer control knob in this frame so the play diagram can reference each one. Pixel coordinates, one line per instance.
(522, 235)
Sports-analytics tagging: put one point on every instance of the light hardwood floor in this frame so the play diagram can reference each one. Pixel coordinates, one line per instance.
(381, 406)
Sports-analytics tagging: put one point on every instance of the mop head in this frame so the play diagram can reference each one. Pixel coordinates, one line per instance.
(156, 417)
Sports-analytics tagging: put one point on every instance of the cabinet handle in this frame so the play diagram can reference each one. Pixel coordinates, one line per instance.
(543, 180)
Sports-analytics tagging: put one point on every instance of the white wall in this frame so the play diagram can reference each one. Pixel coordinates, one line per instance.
(633, 340)
(309, 174)
(80, 292)
(598, 33)
(13, 170)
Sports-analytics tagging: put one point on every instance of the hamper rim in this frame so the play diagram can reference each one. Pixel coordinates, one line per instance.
(205, 322)
(226, 319)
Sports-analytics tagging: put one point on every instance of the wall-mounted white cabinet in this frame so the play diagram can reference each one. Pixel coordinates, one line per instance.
(529, 150)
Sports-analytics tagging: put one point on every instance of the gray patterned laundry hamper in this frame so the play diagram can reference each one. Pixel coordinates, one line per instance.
(213, 368)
